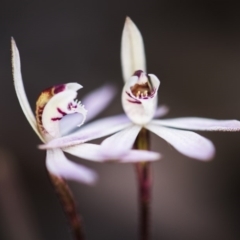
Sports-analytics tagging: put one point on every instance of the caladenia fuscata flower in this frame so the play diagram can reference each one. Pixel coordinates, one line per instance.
(58, 114)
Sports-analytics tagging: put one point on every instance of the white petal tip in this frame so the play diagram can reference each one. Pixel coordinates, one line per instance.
(128, 20)
(74, 86)
(13, 48)
(13, 41)
(207, 153)
(208, 156)
(161, 111)
(110, 87)
(92, 181)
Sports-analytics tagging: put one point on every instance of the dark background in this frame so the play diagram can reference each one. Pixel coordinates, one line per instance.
(193, 47)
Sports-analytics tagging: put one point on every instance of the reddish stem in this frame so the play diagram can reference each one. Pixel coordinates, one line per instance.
(67, 201)
(144, 185)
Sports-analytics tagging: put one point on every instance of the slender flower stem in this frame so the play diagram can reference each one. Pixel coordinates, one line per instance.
(145, 185)
(67, 201)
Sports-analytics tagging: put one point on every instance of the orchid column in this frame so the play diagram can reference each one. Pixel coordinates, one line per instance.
(134, 64)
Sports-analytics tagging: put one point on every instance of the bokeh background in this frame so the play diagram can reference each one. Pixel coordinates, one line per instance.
(192, 46)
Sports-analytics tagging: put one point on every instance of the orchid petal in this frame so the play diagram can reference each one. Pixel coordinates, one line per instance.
(59, 165)
(161, 111)
(94, 153)
(188, 143)
(73, 86)
(87, 151)
(19, 88)
(94, 130)
(200, 124)
(132, 50)
(120, 142)
(97, 100)
(135, 156)
(69, 122)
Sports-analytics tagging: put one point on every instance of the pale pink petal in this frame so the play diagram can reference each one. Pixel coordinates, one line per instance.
(161, 111)
(200, 124)
(69, 122)
(94, 153)
(97, 100)
(135, 156)
(59, 165)
(188, 143)
(94, 130)
(121, 142)
(132, 50)
(73, 86)
(87, 151)
(19, 88)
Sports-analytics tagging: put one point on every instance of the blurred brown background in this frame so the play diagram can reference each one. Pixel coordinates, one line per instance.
(193, 47)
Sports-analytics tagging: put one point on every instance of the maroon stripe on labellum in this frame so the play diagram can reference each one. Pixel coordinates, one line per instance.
(61, 112)
(129, 95)
(153, 92)
(59, 88)
(134, 101)
(70, 106)
(56, 119)
(138, 73)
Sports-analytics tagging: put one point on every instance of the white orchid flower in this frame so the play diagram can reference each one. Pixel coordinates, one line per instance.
(139, 100)
(58, 114)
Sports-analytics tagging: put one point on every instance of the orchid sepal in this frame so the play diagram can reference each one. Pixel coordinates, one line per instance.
(58, 165)
(19, 88)
(95, 153)
(132, 50)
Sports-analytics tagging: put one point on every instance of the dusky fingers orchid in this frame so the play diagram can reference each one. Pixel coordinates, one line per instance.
(58, 113)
